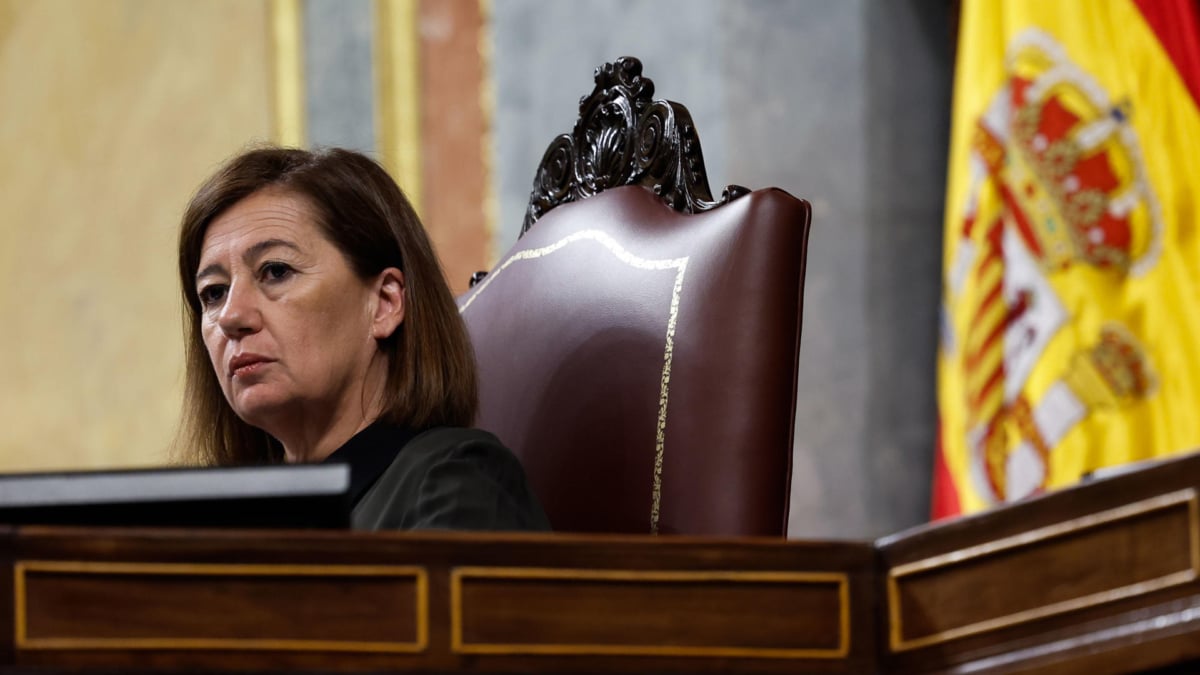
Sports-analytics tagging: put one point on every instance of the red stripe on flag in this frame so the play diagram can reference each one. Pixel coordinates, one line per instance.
(992, 382)
(995, 234)
(968, 225)
(945, 502)
(1023, 227)
(1177, 25)
(975, 357)
(990, 260)
(993, 295)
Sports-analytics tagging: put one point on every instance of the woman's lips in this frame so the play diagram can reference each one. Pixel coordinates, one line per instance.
(247, 364)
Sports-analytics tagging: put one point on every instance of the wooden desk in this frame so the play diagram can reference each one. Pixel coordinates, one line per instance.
(1100, 578)
(435, 602)
(1103, 578)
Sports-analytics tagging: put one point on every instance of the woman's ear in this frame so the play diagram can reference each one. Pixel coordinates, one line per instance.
(389, 303)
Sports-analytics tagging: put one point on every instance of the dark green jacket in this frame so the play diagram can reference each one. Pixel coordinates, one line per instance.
(451, 479)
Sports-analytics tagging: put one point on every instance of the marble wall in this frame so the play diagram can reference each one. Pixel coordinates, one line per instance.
(112, 113)
(339, 73)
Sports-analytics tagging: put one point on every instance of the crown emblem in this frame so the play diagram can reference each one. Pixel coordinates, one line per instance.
(1114, 372)
(1070, 165)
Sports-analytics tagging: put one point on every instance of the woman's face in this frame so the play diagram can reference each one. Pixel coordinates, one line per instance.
(290, 328)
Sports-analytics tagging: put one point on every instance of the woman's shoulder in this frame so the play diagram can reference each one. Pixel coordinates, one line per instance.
(442, 437)
(441, 444)
(454, 478)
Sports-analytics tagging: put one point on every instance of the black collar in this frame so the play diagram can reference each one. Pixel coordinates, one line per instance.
(369, 453)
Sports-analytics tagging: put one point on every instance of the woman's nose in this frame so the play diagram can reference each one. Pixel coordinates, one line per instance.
(240, 314)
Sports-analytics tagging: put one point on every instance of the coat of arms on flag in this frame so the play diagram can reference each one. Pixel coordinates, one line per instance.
(1072, 289)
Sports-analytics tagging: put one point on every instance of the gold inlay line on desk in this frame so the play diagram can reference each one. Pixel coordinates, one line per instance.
(22, 569)
(458, 643)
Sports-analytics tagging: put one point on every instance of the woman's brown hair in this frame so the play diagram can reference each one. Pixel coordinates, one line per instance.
(431, 377)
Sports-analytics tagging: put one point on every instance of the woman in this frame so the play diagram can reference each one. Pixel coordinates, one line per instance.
(320, 329)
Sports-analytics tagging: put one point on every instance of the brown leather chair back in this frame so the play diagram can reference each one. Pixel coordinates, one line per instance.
(642, 361)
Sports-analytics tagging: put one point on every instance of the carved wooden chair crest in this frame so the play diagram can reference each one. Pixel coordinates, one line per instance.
(638, 348)
(625, 137)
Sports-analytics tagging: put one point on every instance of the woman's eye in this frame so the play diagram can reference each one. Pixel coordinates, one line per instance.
(211, 294)
(275, 271)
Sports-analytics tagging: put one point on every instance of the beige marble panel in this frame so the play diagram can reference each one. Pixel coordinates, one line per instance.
(111, 113)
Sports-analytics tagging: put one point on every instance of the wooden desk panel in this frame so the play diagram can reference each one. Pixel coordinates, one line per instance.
(74, 605)
(769, 615)
(1101, 578)
(222, 600)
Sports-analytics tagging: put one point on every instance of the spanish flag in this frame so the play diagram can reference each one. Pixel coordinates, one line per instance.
(1071, 305)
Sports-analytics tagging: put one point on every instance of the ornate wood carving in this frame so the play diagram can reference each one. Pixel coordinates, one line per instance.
(624, 137)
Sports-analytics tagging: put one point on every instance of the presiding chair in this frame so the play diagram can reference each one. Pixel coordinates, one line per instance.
(638, 346)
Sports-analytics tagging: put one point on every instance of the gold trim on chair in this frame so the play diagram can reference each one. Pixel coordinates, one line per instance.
(1188, 497)
(677, 264)
(459, 645)
(20, 599)
(287, 60)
